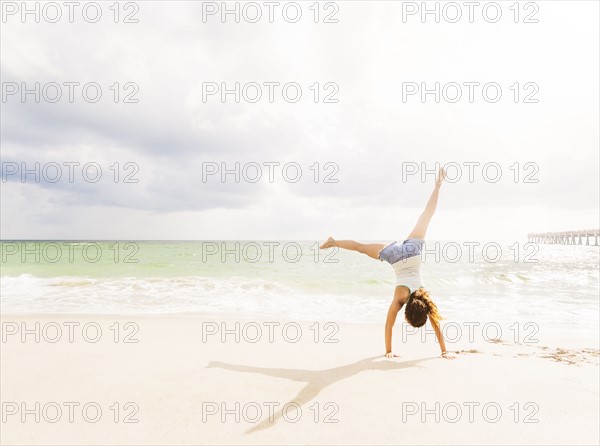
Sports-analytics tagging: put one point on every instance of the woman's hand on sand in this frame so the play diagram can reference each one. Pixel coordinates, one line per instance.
(447, 355)
(391, 355)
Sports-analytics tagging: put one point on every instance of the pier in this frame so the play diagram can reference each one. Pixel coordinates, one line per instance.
(565, 237)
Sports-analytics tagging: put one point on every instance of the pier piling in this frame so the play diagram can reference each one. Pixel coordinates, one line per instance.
(565, 237)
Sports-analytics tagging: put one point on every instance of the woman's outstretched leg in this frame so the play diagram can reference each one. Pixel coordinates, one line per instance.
(370, 249)
(420, 228)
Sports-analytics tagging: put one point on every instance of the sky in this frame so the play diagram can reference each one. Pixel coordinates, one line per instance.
(353, 156)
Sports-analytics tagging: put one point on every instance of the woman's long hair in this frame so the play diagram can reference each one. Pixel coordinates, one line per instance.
(419, 307)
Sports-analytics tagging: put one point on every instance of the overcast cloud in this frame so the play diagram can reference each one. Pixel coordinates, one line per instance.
(171, 133)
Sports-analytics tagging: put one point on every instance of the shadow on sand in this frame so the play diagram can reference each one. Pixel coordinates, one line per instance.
(316, 380)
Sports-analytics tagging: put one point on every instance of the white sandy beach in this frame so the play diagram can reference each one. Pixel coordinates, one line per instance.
(179, 386)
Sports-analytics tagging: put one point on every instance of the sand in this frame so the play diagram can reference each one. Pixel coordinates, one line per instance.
(181, 384)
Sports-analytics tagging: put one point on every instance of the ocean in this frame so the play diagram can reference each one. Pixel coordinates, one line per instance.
(557, 285)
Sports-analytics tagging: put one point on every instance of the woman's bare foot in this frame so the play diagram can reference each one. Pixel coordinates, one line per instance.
(441, 177)
(329, 243)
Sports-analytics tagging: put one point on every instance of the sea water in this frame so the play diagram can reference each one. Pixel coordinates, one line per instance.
(554, 284)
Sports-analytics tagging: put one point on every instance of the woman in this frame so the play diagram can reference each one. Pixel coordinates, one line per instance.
(405, 258)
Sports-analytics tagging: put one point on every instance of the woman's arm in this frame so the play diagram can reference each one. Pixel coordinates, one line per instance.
(395, 307)
(440, 338)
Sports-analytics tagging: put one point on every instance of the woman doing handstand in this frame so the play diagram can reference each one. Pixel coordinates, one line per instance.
(405, 258)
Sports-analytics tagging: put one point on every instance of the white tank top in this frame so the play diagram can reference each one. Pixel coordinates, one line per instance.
(408, 273)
